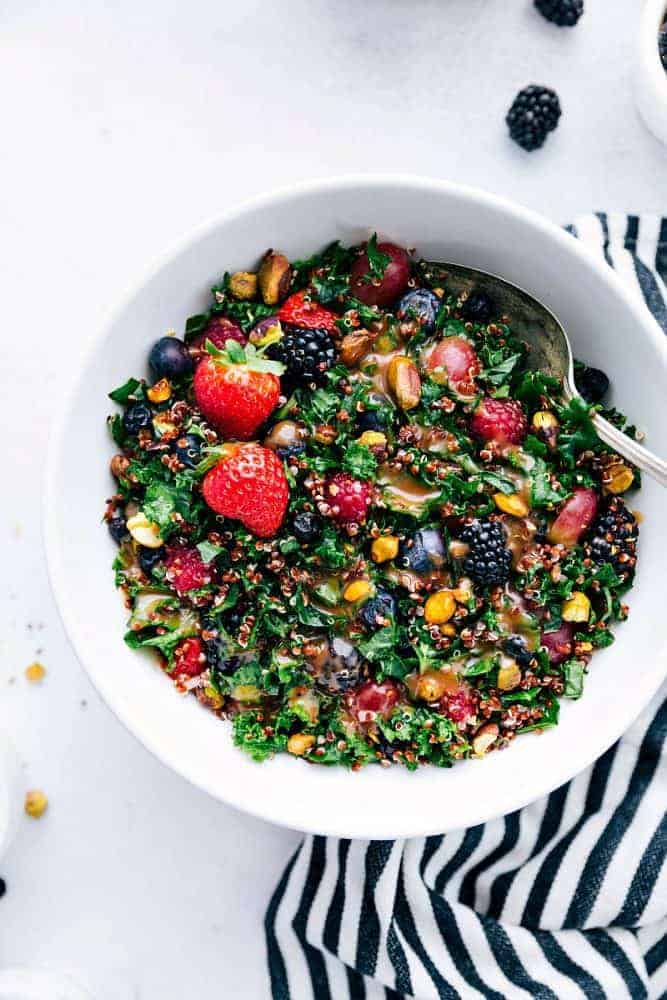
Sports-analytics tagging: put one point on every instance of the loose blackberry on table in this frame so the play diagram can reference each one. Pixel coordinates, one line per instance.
(564, 13)
(350, 521)
(534, 113)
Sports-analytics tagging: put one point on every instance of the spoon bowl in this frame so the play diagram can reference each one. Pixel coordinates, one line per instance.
(549, 351)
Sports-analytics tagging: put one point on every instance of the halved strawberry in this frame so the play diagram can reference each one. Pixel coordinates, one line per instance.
(300, 311)
(236, 389)
(457, 359)
(500, 420)
(575, 517)
(250, 486)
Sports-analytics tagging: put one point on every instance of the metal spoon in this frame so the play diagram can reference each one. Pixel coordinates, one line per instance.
(549, 351)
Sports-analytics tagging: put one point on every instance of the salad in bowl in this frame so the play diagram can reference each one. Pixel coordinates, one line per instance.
(352, 520)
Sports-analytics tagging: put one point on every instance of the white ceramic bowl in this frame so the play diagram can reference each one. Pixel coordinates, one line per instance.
(609, 327)
(651, 78)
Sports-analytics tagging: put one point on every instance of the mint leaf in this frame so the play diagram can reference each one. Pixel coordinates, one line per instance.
(161, 501)
(208, 551)
(501, 372)
(126, 391)
(574, 678)
(533, 386)
(377, 261)
(481, 666)
(194, 325)
(542, 493)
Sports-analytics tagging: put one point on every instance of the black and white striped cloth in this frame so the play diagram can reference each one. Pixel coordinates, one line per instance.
(566, 898)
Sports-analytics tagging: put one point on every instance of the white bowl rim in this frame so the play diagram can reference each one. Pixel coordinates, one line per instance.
(406, 826)
(652, 16)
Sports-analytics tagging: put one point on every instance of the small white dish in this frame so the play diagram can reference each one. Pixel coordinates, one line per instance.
(651, 78)
(609, 327)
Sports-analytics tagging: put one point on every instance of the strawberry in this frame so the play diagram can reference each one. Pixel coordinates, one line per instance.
(250, 486)
(236, 389)
(499, 420)
(299, 311)
(457, 358)
(575, 517)
(186, 569)
(349, 498)
(189, 657)
(219, 330)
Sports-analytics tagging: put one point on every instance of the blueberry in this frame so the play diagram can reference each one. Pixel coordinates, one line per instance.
(149, 558)
(423, 551)
(170, 358)
(291, 450)
(381, 606)
(217, 648)
(306, 527)
(422, 305)
(136, 417)
(370, 420)
(515, 646)
(477, 308)
(187, 450)
(117, 527)
(592, 383)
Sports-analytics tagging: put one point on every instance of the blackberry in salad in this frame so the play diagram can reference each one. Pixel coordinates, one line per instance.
(353, 522)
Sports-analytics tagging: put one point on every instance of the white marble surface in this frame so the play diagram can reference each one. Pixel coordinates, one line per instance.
(122, 125)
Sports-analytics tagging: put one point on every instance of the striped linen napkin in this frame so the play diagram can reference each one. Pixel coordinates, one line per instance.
(565, 898)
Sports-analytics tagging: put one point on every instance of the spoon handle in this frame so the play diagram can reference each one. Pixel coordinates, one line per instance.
(634, 452)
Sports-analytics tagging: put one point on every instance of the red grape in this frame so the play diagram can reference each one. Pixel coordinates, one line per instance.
(385, 290)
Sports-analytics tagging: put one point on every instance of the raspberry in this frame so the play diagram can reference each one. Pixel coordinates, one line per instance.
(499, 420)
(219, 330)
(460, 706)
(349, 498)
(190, 658)
(185, 569)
